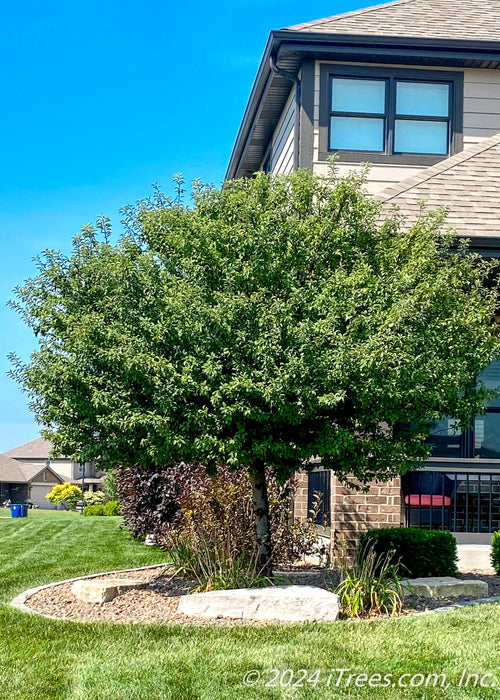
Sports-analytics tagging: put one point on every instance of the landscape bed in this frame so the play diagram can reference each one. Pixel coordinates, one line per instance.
(158, 601)
(67, 660)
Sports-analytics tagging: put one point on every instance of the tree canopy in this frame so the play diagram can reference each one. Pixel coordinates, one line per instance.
(271, 321)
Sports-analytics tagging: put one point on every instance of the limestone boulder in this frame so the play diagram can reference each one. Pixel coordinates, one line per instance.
(447, 587)
(103, 590)
(281, 603)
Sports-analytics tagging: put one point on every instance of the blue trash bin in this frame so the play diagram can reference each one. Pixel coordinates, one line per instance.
(24, 511)
(15, 510)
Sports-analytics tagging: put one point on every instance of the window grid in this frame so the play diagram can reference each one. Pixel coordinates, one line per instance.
(391, 116)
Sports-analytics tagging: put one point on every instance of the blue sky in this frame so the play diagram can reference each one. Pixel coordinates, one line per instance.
(100, 100)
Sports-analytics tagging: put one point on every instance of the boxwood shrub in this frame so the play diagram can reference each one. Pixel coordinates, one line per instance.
(94, 510)
(495, 552)
(422, 552)
(111, 508)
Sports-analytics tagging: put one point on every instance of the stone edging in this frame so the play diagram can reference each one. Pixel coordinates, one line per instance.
(19, 601)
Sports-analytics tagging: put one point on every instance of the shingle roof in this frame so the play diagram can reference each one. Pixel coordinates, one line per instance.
(30, 471)
(10, 471)
(468, 183)
(36, 449)
(466, 19)
(14, 472)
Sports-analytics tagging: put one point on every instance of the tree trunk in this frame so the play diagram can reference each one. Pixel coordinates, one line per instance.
(261, 513)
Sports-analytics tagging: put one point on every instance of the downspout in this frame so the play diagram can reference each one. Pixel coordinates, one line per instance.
(296, 81)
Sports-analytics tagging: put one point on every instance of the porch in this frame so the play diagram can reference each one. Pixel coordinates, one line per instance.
(14, 492)
(464, 499)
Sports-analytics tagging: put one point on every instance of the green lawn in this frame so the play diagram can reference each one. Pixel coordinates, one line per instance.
(48, 659)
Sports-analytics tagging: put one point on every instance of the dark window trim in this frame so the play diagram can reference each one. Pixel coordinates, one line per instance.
(456, 78)
(319, 480)
(461, 464)
(306, 116)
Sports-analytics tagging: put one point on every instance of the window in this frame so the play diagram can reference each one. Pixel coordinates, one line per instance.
(483, 440)
(384, 115)
(318, 494)
(422, 117)
(358, 114)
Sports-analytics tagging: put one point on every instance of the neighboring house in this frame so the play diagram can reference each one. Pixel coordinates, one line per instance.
(33, 457)
(413, 87)
(21, 482)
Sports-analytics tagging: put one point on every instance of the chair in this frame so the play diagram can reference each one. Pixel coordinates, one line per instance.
(432, 494)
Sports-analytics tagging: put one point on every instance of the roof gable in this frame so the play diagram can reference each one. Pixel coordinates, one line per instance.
(466, 183)
(32, 471)
(468, 19)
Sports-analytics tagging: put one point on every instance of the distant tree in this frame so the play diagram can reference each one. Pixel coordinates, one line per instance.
(273, 320)
(110, 485)
(67, 494)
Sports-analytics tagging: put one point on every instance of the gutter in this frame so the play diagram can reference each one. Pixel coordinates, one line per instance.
(313, 44)
(255, 101)
(298, 93)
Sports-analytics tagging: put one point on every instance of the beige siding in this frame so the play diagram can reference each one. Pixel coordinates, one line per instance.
(481, 120)
(481, 104)
(63, 467)
(379, 176)
(282, 145)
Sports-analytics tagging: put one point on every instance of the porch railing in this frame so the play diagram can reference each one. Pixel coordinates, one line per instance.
(456, 501)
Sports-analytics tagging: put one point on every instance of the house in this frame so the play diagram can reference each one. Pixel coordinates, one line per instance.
(21, 482)
(28, 472)
(413, 87)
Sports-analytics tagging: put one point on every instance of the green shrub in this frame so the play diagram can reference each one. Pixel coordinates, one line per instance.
(112, 508)
(94, 510)
(495, 552)
(421, 552)
(371, 586)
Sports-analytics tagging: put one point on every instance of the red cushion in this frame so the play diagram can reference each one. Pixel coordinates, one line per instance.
(426, 500)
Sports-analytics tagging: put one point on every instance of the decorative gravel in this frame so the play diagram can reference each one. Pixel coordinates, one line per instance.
(158, 602)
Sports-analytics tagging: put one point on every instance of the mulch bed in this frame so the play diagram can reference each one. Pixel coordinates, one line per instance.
(158, 601)
(414, 604)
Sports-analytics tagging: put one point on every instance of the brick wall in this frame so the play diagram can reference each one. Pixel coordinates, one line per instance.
(300, 500)
(354, 512)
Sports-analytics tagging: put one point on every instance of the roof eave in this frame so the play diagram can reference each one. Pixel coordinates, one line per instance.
(256, 96)
(320, 45)
(439, 43)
